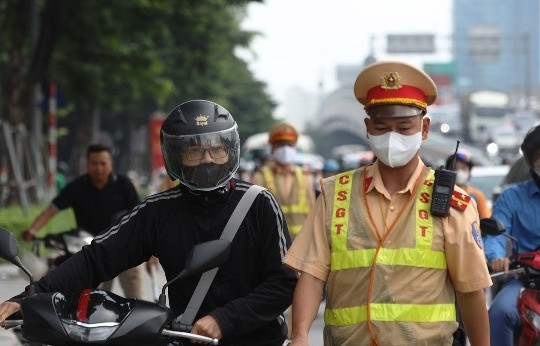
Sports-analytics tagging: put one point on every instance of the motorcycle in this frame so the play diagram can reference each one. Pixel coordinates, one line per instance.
(526, 268)
(97, 316)
(62, 245)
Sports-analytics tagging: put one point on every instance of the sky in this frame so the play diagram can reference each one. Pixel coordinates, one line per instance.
(302, 41)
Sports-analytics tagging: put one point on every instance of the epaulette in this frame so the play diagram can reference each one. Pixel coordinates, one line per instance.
(459, 200)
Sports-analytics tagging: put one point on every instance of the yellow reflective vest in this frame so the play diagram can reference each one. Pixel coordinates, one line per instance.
(377, 292)
(295, 205)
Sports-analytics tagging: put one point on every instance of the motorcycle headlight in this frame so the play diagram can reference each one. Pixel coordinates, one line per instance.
(533, 318)
(89, 332)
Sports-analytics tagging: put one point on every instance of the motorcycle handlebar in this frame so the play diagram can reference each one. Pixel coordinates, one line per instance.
(173, 333)
(11, 323)
(517, 273)
(52, 241)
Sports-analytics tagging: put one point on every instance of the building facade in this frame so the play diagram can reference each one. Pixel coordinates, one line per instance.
(496, 45)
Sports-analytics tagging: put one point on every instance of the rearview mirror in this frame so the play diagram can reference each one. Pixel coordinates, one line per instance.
(9, 249)
(208, 255)
(492, 226)
(201, 258)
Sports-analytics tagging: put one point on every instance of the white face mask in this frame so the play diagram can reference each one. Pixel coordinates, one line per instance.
(462, 177)
(395, 149)
(285, 154)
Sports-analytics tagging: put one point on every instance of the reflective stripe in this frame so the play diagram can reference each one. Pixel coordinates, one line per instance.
(424, 219)
(301, 207)
(294, 229)
(269, 179)
(391, 313)
(340, 211)
(301, 188)
(392, 257)
(296, 209)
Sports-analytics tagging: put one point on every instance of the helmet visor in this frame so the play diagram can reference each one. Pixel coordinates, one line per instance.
(202, 161)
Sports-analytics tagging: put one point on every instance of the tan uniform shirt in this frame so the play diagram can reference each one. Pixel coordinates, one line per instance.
(285, 181)
(310, 252)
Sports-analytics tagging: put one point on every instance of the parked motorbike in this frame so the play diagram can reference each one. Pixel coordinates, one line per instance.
(61, 245)
(97, 316)
(526, 268)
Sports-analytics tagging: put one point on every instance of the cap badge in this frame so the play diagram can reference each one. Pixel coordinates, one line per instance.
(391, 80)
(201, 120)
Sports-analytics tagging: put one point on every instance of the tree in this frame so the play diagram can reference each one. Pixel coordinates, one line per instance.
(120, 60)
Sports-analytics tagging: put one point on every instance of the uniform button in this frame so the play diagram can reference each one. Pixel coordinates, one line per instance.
(392, 208)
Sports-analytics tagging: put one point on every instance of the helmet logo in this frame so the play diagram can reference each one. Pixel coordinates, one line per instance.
(201, 120)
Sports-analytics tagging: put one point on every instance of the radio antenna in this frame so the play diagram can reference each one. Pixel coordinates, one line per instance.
(453, 164)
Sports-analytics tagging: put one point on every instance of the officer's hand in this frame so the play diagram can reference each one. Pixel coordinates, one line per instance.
(152, 264)
(500, 265)
(7, 309)
(28, 235)
(206, 326)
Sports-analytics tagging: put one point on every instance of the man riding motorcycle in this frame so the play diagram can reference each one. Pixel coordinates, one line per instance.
(201, 149)
(518, 207)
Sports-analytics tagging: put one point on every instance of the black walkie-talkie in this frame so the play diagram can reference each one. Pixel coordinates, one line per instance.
(445, 179)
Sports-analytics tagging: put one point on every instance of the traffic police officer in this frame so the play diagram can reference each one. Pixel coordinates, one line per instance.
(391, 267)
(292, 186)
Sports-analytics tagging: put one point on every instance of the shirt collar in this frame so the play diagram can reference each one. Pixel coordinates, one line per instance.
(532, 188)
(377, 182)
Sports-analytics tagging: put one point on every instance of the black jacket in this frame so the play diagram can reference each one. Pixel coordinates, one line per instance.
(249, 291)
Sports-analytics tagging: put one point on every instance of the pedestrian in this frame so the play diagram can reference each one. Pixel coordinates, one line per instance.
(245, 302)
(518, 208)
(292, 186)
(97, 198)
(464, 166)
(392, 268)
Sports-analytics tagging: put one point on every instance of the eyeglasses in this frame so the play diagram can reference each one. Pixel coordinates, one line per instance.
(195, 154)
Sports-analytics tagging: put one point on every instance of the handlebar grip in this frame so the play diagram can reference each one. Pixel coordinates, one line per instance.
(11, 323)
(517, 272)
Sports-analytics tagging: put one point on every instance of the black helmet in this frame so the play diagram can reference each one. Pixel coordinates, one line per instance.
(190, 132)
(531, 144)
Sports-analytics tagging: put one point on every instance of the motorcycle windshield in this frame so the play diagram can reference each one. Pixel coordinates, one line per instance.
(93, 316)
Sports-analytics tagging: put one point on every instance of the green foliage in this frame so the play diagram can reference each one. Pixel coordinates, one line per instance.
(14, 219)
(129, 58)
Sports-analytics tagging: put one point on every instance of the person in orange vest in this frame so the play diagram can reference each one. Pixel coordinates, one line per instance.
(392, 266)
(464, 165)
(292, 186)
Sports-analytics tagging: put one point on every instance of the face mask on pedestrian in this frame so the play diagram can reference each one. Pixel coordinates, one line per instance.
(285, 154)
(462, 177)
(395, 149)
